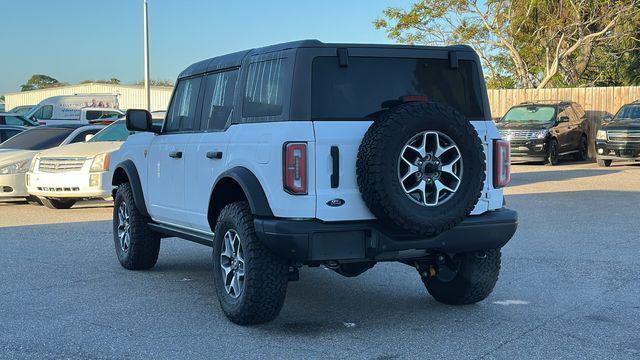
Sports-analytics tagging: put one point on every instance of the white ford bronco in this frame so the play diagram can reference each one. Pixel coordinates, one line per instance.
(308, 153)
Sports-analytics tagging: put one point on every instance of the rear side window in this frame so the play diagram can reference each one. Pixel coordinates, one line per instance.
(182, 112)
(218, 100)
(371, 84)
(264, 93)
(93, 114)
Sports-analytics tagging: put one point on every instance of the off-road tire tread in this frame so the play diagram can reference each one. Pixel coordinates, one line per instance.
(370, 171)
(265, 286)
(474, 282)
(145, 243)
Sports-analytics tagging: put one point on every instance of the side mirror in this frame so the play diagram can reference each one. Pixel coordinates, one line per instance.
(607, 118)
(563, 119)
(88, 137)
(139, 120)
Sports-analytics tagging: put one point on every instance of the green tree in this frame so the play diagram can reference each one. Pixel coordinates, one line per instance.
(39, 81)
(534, 43)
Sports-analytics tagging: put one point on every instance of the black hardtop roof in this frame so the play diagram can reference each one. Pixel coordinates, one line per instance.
(235, 59)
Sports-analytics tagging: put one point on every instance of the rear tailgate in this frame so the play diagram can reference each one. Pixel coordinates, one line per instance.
(341, 201)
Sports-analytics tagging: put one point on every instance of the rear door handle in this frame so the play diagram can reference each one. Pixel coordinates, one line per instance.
(176, 154)
(214, 154)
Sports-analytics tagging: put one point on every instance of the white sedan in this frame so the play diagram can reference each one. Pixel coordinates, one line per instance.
(17, 152)
(60, 177)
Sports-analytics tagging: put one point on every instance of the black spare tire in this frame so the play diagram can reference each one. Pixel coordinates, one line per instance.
(421, 167)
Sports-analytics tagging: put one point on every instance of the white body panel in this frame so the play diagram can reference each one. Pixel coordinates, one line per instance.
(347, 135)
(178, 191)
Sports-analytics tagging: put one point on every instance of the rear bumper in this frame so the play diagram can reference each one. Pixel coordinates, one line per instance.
(313, 240)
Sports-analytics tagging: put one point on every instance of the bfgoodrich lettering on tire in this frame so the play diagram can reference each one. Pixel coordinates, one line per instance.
(421, 167)
(250, 280)
(137, 246)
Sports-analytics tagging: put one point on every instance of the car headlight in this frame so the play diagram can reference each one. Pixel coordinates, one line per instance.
(540, 134)
(100, 163)
(15, 168)
(601, 135)
(33, 163)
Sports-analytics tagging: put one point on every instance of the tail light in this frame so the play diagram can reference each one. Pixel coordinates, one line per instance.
(501, 163)
(295, 168)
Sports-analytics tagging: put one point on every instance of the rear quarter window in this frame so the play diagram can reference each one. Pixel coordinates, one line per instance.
(265, 88)
(369, 84)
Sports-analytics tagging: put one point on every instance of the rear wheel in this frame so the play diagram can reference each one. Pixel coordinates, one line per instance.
(465, 278)
(250, 280)
(583, 147)
(604, 163)
(57, 203)
(552, 153)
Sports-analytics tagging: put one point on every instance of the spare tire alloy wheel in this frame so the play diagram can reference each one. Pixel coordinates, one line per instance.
(430, 168)
(232, 263)
(421, 168)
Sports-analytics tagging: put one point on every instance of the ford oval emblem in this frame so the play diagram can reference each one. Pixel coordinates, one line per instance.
(335, 202)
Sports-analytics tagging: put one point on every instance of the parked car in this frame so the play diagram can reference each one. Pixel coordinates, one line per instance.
(63, 175)
(66, 109)
(545, 131)
(8, 131)
(619, 138)
(15, 119)
(21, 110)
(271, 156)
(17, 152)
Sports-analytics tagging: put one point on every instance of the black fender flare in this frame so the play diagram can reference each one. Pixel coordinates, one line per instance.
(251, 187)
(131, 171)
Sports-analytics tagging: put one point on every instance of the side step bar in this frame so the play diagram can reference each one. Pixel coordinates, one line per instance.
(172, 231)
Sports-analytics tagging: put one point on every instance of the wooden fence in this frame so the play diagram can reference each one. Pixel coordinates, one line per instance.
(596, 101)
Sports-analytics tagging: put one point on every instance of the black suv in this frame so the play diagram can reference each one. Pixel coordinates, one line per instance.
(619, 137)
(545, 131)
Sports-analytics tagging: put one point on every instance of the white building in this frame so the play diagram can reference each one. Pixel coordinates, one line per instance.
(129, 96)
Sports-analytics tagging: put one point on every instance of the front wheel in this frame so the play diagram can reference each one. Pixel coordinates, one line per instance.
(552, 153)
(57, 203)
(250, 280)
(604, 163)
(137, 246)
(465, 278)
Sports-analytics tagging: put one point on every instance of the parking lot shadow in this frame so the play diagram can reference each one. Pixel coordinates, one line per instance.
(530, 177)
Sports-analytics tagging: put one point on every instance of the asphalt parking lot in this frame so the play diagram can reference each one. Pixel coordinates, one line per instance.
(569, 288)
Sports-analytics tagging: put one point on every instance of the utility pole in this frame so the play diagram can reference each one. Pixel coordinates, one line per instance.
(147, 89)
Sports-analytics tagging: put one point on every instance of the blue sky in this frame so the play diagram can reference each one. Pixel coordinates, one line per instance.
(75, 40)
